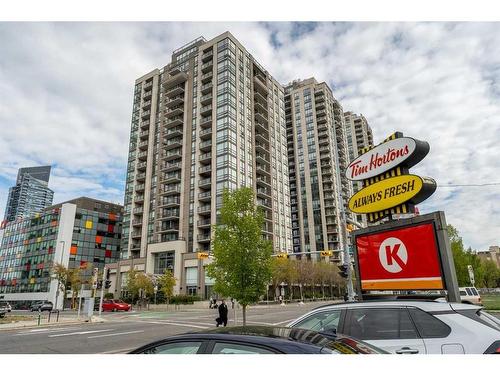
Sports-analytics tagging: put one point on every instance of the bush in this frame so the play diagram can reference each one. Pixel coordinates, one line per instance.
(109, 296)
(182, 299)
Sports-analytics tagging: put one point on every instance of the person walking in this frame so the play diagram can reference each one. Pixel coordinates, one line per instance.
(222, 314)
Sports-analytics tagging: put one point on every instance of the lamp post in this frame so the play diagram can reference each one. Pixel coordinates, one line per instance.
(58, 279)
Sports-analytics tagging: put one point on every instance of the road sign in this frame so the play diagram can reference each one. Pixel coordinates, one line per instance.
(392, 192)
(400, 259)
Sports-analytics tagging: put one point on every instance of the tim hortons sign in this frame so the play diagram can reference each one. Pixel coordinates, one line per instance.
(392, 192)
(388, 188)
(386, 156)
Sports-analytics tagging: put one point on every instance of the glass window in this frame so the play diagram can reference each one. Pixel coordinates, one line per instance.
(231, 348)
(381, 324)
(428, 326)
(175, 348)
(326, 321)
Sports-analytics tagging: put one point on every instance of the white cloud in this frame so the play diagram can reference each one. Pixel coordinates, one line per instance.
(67, 95)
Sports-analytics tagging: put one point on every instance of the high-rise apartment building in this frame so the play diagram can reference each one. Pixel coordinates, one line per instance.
(31, 193)
(317, 159)
(359, 136)
(212, 118)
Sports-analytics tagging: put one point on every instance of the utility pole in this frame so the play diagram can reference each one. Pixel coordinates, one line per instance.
(347, 259)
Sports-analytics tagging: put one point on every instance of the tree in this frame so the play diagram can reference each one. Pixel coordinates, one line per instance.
(291, 276)
(166, 284)
(242, 257)
(60, 273)
(137, 281)
(279, 269)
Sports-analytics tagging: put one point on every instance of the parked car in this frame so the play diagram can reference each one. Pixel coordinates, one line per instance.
(470, 294)
(114, 305)
(42, 306)
(6, 305)
(409, 327)
(258, 340)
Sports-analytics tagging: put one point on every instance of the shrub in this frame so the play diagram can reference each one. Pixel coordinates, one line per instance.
(182, 299)
(109, 296)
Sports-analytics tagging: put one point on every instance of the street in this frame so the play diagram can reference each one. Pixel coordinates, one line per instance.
(124, 331)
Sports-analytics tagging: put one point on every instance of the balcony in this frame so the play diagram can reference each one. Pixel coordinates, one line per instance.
(143, 145)
(206, 133)
(170, 189)
(204, 223)
(168, 229)
(260, 128)
(206, 182)
(136, 234)
(139, 187)
(136, 223)
(172, 143)
(173, 154)
(261, 117)
(206, 88)
(141, 166)
(138, 210)
(175, 91)
(260, 85)
(262, 138)
(206, 170)
(205, 209)
(330, 203)
(206, 121)
(206, 110)
(172, 177)
(263, 192)
(259, 107)
(203, 238)
(206, 145)
(142, 155)
(169, 202)
(140, 176)
(207, 56)
(139, 199)
(174, 111)
(175, 101)
(145, 114)
(174, 121)
(145, 125)
(321, 119)
(146, 105)
(172, 166)
(174, 132)
(206, 67)
(205, 196)
(207, 77)
(171, 214)
(206, 158)
(148, 85)
(144, 135)
(175, 79)
(147, 94)
(206, 99)
(263, 181)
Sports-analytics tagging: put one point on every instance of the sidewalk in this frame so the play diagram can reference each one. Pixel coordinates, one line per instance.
(44, 322)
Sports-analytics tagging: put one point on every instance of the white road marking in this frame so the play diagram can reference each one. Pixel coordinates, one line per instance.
(284, 321)
(80, 333)
(114, 334)
(43, 330)
(174, 324)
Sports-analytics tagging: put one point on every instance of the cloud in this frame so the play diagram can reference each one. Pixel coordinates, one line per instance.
(67, 97)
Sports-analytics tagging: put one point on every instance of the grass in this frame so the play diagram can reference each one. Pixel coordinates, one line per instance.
(491, 301)
(14, 318)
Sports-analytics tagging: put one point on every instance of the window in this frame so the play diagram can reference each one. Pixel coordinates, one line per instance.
(326, 321)
(230, 348)
(175, 348)
(429, 326)
(381, 324)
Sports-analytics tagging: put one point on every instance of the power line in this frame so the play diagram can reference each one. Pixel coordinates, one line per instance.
(469, 185)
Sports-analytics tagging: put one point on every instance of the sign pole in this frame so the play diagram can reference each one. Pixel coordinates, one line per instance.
(102, 292)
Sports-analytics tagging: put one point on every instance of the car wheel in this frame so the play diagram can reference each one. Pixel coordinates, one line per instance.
(114, 310)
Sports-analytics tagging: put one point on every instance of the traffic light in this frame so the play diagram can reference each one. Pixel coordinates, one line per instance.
(343, 270)
(99, 284)
(108, 272)
(350, 227)
(107, 284)
(202, 255)
(326, 253)
(282, 255)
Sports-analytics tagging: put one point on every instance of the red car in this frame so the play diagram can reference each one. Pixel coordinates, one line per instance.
(115, 305)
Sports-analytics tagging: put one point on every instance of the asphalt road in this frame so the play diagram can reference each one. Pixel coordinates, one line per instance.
(124, 331)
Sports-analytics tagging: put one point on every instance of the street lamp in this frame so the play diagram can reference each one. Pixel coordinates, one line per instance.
(58, 279)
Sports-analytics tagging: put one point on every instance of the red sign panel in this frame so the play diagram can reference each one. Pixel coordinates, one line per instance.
(400, 259)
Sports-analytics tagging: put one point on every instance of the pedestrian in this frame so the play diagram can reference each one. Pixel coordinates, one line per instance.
(222, 319)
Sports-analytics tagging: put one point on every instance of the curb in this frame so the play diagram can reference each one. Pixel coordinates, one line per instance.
(8, 327)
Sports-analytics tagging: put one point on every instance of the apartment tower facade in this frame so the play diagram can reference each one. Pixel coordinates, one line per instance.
(359, 135)
(317, 159)
(212, 118)
(31, 193)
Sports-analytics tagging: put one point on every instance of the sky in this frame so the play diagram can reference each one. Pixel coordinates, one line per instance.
(66, 98)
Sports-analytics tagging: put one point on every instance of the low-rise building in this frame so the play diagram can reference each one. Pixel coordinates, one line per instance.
(81, 233)
(492, 254)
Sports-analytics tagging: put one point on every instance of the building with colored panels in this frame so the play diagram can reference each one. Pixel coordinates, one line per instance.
(82, 233)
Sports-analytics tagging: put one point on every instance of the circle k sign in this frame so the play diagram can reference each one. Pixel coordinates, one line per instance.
(393, 255)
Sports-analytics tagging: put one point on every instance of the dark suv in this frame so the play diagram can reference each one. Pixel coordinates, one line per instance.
(42, 306)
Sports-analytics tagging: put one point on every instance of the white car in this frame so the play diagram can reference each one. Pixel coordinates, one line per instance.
(410, 327)
(470, 294)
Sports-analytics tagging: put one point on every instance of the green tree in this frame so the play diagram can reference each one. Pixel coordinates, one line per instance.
(137, 281)
(279, 269)
(166, 283)
(60, 273)
(242, 257)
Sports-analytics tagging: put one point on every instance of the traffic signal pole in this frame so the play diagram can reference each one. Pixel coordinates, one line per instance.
(102, 291)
